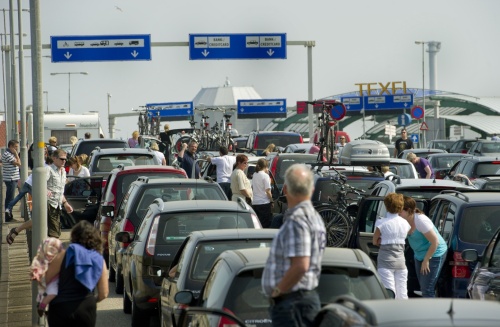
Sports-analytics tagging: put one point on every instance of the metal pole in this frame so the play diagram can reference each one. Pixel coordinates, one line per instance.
(46, 100)
(69, 92)
(39, 172)
(24, 149)
(310, 114)
(110, 125)
(424, 141)
(14, 134)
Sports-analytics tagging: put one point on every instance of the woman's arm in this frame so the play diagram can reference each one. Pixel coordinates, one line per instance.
(428, 171)
(54, 266)
(434, 242)
(376, 237)
(102, 284)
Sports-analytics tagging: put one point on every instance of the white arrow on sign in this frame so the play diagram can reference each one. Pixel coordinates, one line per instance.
(270, 52)
(135, 54)
(67, 55)
(205, 52)
(414, 138)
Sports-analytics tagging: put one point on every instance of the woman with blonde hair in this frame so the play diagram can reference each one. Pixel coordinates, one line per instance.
(133, 142)
(240, 185)
(270, 148)
(158, 154)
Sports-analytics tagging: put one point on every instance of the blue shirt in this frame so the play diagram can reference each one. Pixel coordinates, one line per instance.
(187, 164)
(419, 243)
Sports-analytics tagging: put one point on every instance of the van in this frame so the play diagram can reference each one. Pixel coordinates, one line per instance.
(259, 140)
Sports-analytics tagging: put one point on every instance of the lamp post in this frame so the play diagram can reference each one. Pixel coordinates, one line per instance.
(46, 99)
(423, 43)
(110, 123)
(69, 84)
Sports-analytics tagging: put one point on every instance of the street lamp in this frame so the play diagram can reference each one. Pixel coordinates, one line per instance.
(69, 84)
(423, 43)
(110, 123)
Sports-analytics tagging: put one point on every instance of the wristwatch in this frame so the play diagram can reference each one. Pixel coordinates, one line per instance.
(276, 292)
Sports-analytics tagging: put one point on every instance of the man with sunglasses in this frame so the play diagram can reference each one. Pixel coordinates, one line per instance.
(402, 143)
(56, 179)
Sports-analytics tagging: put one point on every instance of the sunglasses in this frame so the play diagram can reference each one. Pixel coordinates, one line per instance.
(63, 159)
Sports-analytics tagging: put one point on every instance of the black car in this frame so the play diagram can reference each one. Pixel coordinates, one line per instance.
(487, 183)
(484, 283)
(485, 148)
(462, 146)
(442, 162)
(440, 144)
(258, 141)
(85, 146)
(162, 231)
(193, 261)
(84, 195)
(135, 203)
(475, 167)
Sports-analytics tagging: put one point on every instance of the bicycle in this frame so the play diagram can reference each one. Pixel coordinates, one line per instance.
(149, 121)
(338, 214)
(326, 136)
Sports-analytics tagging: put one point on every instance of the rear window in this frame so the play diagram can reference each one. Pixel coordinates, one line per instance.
(284, 163)
(278, 140)
(403, 171)
(87, 147)
(174, 228)
(486, 168)
(479, 224)
(108, 163)
(444, 162)
(207, 252)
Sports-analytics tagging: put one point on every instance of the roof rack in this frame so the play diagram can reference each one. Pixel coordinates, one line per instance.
(456, 193)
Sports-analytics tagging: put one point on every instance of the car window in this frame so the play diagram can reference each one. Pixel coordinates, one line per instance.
(444, 162)
(445, 219)
(108, 163)
(87, 147)
(175, 227)
(277, 140)
(359, 283)
(486, 168)
(123, 207)
(402, 170)
(479, 224)
(207, 252)
(495, 256)
(211, 290)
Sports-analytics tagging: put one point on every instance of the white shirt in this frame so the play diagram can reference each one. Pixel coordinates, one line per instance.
(160, 156)
(224, 166)
(260, 183)
(84, 172)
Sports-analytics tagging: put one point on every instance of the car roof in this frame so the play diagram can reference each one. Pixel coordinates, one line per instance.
(204, 205)
(101, 140)
(450, 154)
(473, 196)
(122, 150)
(276, 132)
(495, 178)
(232, 233)
(438, 312)
(477, 159)
(421, 182)
(425, 150)
(146, 168)
(173, 181)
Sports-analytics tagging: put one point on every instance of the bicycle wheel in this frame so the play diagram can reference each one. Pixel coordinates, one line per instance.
(338, 227)
(330, 147)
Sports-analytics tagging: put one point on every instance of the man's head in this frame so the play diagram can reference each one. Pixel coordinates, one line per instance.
(13, 144)
(88, 135)
(223, 150)
(59, 157)
(192, 146)
(342, 139)
(299, 181)
(404, 134)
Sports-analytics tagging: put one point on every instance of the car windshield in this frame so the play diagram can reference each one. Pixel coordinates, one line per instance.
(402, 170)
(175, 227)
(278, 140)
(490, 147)
(207, 252)
(444, 162)
(108, 163)
(87, 147)
(479, 224)
(284, 163)
(486, 169)
(178, 193)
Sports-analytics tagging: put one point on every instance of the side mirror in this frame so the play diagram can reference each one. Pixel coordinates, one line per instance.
(123, 237)
(470, 255)
(184, 297)
(108, 211)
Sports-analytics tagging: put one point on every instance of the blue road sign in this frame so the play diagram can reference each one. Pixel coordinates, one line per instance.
(100, 48)
(414, 138)
(262, 108)
(352, 103)
(237, 46)
(379, 102)
(404, 120)
(171, 110)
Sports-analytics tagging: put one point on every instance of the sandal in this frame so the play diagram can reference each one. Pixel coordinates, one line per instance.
(11, 236)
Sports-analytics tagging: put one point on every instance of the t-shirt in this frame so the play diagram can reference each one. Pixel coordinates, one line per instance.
(402, 145)
(10, 171)
(420, 167)
(393, 232)
(260, 183)
(239, 181)
(419, 242)
(224, 165)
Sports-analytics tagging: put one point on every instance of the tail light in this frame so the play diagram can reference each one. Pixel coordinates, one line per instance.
(255, 143)
(207, 125)
(301, 140)
(229, 126)
(226, 322)
(128, 227)
(274, 166)
(460, 267)
(151, 242)
(464, 151)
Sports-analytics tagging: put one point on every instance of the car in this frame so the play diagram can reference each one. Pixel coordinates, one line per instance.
(195, 258)
(487, 183)
(421, 153)
(118, 43)
(403, 168)
(485, 148)
(475, 167)
(372, 206)
(462, 146)
(484, 281)
(116, 187)
(298, 148)
(162, 231)
(348, 311)
(239, 142)
(466, 220)
(84, 195)
(102, 161)
(281, 161)
(66, 147)
(440, 144)
(234, 283)
(85, 146)
(135, 202)
(259, 140)
(442, 162)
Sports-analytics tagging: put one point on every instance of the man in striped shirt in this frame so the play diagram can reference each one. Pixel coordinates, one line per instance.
(10, 169)
(293, 268)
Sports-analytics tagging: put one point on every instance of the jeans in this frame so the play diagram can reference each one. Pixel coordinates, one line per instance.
(428, 282)
(9, 193)
(226, 187)
(25, 189)
(296, 311)
(264, 213)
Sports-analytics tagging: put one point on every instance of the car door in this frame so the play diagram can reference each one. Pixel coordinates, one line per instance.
(84, 196)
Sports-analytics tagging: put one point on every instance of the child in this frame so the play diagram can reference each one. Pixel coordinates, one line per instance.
(47, 290)
(390, 234)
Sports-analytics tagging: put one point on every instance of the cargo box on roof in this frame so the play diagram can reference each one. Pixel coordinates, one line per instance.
(365, 153)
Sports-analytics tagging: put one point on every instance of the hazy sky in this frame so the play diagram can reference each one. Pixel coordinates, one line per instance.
(357, 41)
